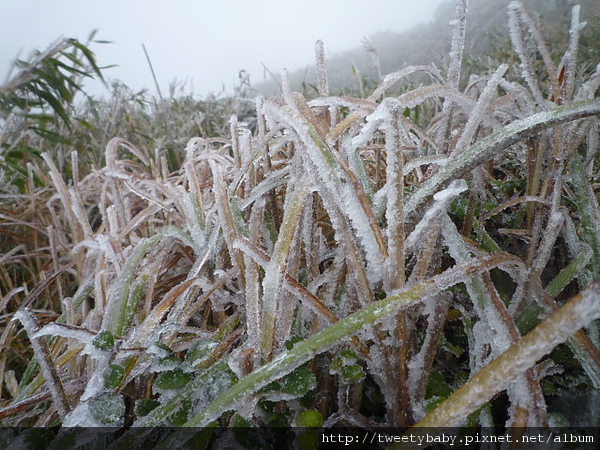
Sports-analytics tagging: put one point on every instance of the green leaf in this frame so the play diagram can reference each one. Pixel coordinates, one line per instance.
(179, 417)
(437, 386)
(202, 438)
(247, 435)
(54, 103)
(22, 152)
(39, 117)
(588, 210)
(352, 374)
(104, 340)
(64, 441)
(87, 125)
(116, 318)
(145, 405)
(113, 376)
(91, 59)
(138, 291)
(310, 418)
(344, 365)
(168, 356)
(50, 136)
(289, 344)
(307, 434)
(299, 382)
(296, 384)
(199, 350)
(107, 408)
(172, 379)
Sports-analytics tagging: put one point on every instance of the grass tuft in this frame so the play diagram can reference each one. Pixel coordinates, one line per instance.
(355, 260)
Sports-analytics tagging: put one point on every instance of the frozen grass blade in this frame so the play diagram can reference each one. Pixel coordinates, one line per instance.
(570, 272)
(478, 112)
(121, 301)
(253, 292)
(587, 206)
(42, 353)
(292, 284)
(393, 78)
(459, 28)
(569, 62)
(322, 81)
(519, 23)
(336, 181)
(497, 331)
(517, 20)
(495, 143)
(65, 198)
(395, 199)
(116, 318)
(226, 217)
(276, 268)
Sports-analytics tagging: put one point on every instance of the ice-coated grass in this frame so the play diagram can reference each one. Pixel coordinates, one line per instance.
(495, 377)
(351, 231)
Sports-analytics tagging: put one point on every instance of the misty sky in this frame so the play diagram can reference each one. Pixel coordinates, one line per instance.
(204, 43)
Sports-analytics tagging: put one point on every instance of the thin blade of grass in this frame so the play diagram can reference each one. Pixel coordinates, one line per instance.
(494, 144)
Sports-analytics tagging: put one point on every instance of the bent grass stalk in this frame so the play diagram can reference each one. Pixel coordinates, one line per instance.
(493, 144)
(42, 352)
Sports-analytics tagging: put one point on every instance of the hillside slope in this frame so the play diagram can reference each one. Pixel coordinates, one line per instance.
(487, 37)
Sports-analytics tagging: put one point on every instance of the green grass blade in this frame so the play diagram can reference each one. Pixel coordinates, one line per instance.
(588, 210)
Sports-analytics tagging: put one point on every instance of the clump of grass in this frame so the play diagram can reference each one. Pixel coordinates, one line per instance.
(342, 248)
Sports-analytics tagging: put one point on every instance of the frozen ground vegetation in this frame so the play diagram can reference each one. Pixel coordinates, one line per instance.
(425, 258)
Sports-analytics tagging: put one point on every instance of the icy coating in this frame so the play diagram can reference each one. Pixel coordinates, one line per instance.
(355, 258)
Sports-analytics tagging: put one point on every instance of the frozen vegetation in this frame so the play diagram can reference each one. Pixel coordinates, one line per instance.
(426, 254)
